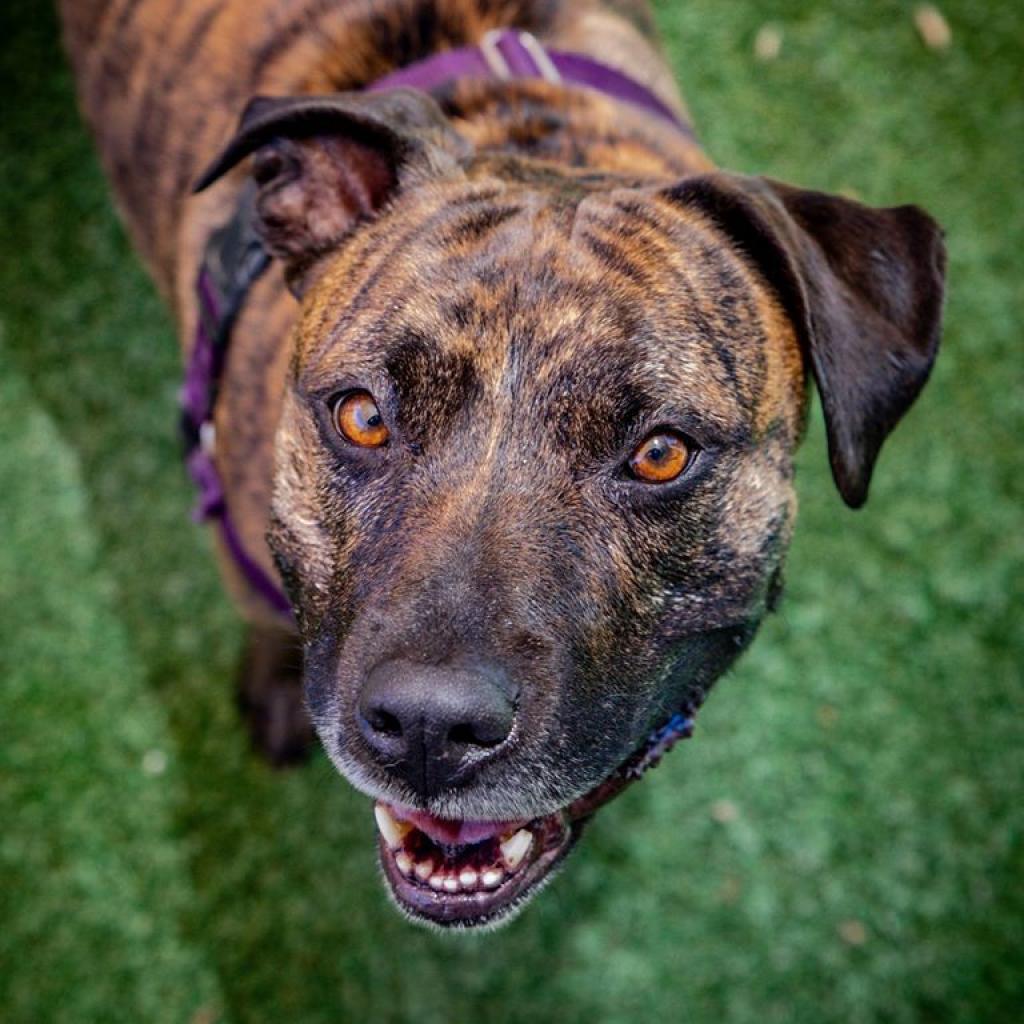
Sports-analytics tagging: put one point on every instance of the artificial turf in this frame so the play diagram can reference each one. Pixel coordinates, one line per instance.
(842, 840)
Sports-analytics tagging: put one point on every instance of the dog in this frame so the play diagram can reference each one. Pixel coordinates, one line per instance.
(515, 381)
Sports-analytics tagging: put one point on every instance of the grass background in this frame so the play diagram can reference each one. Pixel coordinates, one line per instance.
(841, 842)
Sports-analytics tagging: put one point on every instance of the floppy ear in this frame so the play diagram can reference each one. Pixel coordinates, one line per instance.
(324, 164)
(864, 289)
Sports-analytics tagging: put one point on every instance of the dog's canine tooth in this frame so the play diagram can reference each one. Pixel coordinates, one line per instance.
(468, 878)
(423, 869)
(404, 862)
(491, 877)
(450, 883)
(515, 849)
(394, 832)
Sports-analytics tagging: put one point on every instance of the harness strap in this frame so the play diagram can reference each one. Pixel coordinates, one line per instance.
(505, 54)
(233, 262)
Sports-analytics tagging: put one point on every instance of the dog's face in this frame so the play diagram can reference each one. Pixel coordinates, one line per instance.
(533, 486)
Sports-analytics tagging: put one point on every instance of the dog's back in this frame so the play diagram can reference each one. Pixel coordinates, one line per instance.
(162, 82)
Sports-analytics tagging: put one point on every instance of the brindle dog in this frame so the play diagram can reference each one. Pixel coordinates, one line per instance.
(523, 452)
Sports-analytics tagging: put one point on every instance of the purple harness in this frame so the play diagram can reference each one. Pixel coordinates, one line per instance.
(235, 258)
(505, 54)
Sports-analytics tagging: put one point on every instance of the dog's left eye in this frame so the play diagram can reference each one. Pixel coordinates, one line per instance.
(661, 457)
(358, 419)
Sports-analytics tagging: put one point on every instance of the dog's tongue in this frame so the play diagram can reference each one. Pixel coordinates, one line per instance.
(454, 833)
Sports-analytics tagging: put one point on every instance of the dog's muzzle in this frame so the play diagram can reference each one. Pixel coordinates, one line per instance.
(467, 874)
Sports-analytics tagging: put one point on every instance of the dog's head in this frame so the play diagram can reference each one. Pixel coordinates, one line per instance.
(534, 478)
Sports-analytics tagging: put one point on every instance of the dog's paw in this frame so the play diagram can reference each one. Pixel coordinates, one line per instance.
(270, 697)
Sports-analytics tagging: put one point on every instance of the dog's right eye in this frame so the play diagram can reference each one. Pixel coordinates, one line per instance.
(661, 457)
(358, 419)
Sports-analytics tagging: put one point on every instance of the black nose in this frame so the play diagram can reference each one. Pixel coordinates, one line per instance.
(433, 724)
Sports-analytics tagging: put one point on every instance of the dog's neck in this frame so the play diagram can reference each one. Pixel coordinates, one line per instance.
(582, 129)
(385, 36)
(511, 94)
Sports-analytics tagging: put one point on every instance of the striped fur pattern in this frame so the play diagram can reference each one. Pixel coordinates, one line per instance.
(162, 83)
(529, 279)
(528, 347)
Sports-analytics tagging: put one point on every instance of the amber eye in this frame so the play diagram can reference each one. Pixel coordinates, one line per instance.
(660, 458)
(358, 420)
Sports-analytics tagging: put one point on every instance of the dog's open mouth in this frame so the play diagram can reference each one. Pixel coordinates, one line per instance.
(471, 873)
(466, 873)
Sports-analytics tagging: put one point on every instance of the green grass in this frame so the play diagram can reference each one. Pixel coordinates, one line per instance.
(871, 745)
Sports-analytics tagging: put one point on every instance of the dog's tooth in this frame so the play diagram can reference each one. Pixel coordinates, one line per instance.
(468, 878)
(404, 862)
(491, 878)
(423, 869)
(515, 849)
(393, 831)
(436, 882)
(450, 883)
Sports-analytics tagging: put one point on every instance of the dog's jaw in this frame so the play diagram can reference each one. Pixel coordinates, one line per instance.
(461, 875)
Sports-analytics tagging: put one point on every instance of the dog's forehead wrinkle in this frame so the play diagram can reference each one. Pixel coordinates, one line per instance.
(500, 277)
(392, 250)
(352, 280)
(703, 294)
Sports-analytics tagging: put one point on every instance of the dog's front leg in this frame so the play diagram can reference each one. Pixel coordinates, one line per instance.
(270, 695)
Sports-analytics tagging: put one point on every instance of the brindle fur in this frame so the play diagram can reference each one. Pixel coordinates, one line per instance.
(543, 295)
(162, 82)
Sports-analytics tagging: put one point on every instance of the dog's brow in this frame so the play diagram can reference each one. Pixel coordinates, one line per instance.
(431, 382)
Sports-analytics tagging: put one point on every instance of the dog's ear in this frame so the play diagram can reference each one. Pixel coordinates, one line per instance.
(864, 289)
(324, 164)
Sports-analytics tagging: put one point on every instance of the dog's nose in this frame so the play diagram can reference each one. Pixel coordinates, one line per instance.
(432, 724)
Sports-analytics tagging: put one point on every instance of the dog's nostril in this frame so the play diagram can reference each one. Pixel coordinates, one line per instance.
(468, 735)
(461, 734)
(486, 732)
(384, 722)
(432, 724)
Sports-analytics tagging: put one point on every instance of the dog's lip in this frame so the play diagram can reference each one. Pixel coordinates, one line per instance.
(453, 833)
(550, 838)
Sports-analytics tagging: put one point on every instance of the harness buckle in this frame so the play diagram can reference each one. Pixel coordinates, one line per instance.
(493, 56)
(545, 65)
(499, 65)
(208, 437)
